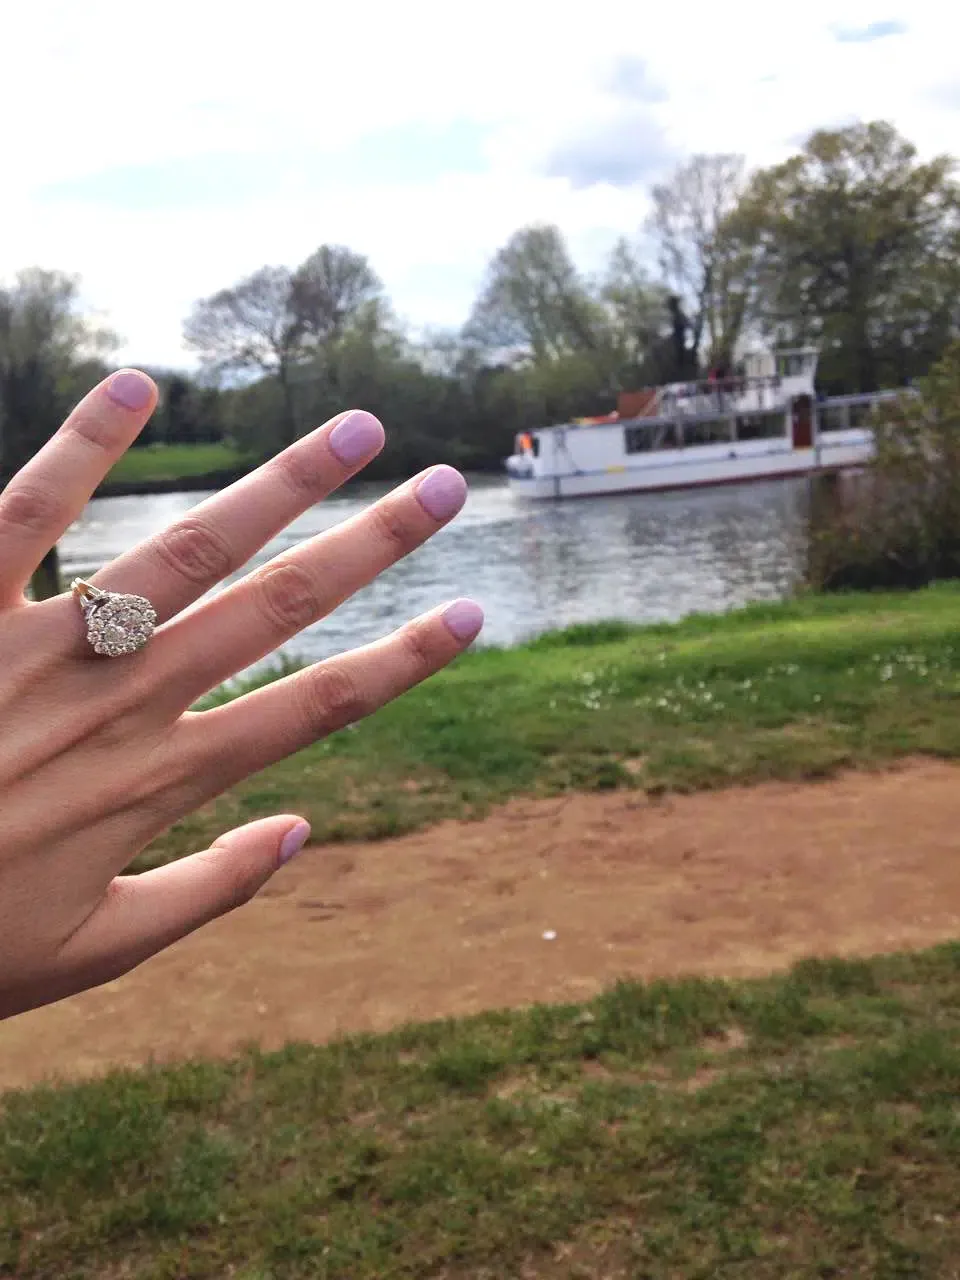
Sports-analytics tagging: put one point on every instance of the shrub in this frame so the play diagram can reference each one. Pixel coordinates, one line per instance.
(897, 524)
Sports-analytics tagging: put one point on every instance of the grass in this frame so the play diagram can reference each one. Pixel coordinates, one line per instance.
(805, 1125)
(802, 1125)
(795, 690)
(165, 462)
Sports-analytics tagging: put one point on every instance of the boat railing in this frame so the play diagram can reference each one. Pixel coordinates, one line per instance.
(840, 412)
(850, 413)
(709, 414)
(762, 392)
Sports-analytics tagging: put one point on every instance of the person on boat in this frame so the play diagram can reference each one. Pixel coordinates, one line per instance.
(99, 753)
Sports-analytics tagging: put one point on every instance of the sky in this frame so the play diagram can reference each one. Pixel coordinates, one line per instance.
(162, 152)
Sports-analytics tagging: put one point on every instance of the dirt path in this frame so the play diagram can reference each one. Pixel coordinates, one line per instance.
(451, 921)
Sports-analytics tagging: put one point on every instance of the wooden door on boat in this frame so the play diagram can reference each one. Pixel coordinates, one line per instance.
(802, 421)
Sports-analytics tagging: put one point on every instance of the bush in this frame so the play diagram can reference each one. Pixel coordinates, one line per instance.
(898, 524)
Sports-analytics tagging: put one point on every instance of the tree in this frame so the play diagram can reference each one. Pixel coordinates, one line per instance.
(287, 325)
(534, 300)
(49, 355)
(253, 326)
(703, 265)
(330, 289)
(856, 247)
(635, 313)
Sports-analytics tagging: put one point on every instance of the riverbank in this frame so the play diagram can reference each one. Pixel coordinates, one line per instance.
(174, 468)
(188, 468)
(783, 691)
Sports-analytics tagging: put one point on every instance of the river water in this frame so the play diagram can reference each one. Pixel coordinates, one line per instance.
(533, 565)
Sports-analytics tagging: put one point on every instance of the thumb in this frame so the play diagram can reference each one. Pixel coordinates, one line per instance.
(143, 914)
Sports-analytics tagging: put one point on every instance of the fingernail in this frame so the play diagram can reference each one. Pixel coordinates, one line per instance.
(356, 437)
(442, 493)
(130, 389)
(293, 842)
(464, 618)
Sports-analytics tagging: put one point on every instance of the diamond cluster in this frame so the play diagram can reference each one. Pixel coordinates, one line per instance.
(118, 624)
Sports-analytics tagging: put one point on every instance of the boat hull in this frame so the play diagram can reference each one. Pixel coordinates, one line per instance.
(824, 457)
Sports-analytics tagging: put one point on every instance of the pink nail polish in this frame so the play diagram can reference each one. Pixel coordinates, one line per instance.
(293, 842)
(464, 618)
(130, 389)
(357, 436)
(442, 493)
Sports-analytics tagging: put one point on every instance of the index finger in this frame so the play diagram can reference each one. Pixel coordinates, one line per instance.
(49, 493)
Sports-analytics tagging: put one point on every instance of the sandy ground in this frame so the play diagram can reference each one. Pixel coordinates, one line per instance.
(461, 917)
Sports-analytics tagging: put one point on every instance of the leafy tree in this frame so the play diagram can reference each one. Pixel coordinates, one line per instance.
(856, 247)
(534, 301)
(636, 313)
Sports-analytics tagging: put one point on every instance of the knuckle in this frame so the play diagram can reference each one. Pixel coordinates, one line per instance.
(30, 508)
(420, 648)
(195, 551)
(93, 429)
(394, 528)
(287, 597)
(241, 881)
(300, 474)
(330, 700)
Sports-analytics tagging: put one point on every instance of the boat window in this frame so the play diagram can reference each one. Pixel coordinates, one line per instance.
(711, 431)
(649, 437)
(761, 426)
(792, 364)
(860, 415)
(832, 417)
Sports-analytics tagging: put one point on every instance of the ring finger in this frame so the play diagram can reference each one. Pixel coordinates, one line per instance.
(251, 618)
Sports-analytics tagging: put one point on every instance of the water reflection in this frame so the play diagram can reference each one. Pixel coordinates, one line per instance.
(532, 565)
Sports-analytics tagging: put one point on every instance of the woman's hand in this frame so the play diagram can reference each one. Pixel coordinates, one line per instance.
(98, 755)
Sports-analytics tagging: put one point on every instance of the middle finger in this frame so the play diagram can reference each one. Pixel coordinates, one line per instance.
(219, 535)
(252, 617)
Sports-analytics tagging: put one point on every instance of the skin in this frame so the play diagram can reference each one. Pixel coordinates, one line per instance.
(99, 755)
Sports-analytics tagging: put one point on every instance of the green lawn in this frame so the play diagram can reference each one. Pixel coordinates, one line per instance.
(787, 691)
(173, 462)
(801, 1126)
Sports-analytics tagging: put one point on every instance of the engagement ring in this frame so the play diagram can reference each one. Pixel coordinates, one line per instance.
(116, 624)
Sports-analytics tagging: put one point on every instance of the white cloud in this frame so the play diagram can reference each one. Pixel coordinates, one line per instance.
(94, 87)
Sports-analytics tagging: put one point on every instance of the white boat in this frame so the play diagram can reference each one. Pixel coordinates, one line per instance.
(762, 423)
